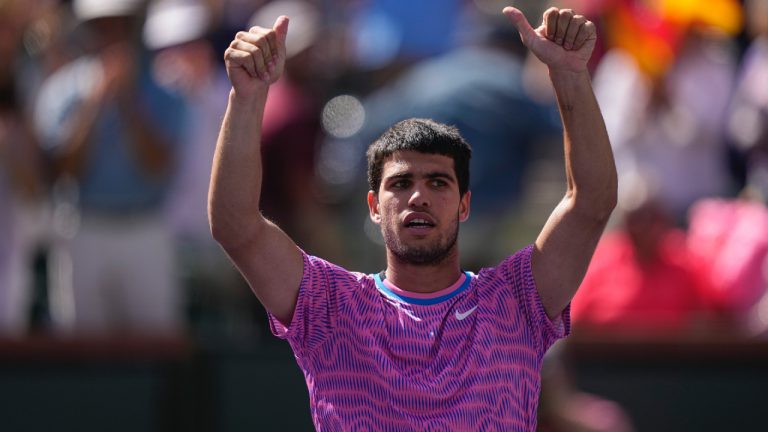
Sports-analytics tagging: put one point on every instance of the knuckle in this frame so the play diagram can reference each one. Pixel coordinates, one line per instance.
(232, 57)
(260, 33)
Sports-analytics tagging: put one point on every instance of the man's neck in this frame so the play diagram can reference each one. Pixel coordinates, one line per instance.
(423, 278)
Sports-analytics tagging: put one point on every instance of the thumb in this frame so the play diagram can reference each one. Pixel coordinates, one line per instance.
(527, 33)
(281, 28)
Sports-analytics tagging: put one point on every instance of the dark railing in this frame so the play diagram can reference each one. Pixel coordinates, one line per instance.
(153, 384)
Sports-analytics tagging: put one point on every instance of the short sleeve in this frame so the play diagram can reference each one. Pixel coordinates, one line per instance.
(517, 271)
(322, 286)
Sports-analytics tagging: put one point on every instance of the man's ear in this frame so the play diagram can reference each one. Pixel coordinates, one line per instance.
(373, 207)
(464, 206)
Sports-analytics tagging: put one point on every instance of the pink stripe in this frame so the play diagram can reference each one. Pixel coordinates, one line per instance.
(416, 295)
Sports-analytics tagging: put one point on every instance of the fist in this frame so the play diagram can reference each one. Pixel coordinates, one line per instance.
(256, 58)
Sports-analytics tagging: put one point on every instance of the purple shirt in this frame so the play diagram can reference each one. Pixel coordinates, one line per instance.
(464, 358)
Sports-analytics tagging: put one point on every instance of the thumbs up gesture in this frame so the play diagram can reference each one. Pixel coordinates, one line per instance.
(563, 41)
(255, 59)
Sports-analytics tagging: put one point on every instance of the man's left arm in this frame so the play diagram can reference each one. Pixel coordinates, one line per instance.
(564, 248)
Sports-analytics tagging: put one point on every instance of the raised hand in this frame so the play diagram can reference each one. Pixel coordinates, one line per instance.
(563, 40)
(256, 58)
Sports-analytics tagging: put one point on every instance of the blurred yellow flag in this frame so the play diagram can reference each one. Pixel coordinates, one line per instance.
(651, 31)
(724, 15)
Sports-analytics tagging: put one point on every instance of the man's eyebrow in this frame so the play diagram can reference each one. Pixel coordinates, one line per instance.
(439, 174)
(430, 175)
(400, 175)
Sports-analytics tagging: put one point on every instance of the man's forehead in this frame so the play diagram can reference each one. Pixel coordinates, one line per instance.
(413, 162)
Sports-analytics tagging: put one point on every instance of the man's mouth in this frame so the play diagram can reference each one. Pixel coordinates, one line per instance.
(419, 223)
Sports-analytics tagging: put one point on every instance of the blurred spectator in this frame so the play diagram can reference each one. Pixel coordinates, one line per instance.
(22, 182)
(659, 119)
(748, 119)
(730, 237)
(113, 133)
(642, 279)
(22, 217)
(748, 130)
(479, 89)
(186, 62)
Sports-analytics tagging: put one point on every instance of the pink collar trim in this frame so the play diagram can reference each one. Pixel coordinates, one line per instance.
(445, 291)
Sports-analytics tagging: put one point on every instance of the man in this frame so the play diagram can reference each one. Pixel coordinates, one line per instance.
(421, 345)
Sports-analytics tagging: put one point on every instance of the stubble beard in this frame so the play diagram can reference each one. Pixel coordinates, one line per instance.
(427, 255)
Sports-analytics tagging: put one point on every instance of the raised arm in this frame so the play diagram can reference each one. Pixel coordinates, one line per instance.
(564, 248)
(264, 254)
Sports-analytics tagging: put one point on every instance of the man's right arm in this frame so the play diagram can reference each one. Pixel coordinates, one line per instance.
(268, 259)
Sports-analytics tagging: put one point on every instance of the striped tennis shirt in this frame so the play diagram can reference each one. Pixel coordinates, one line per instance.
(377, 358)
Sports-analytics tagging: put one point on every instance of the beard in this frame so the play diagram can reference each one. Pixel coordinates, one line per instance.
(423, 255)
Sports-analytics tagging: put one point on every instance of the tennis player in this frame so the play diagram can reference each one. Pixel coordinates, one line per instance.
(422, 345)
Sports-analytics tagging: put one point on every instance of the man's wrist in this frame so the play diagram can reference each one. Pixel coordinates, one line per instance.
(559, 74)
(248, 100)
(571, 88)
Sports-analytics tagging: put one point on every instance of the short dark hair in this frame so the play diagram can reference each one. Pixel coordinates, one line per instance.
(424, 136)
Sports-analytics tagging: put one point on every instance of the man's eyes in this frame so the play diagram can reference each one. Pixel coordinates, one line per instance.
(404, 184)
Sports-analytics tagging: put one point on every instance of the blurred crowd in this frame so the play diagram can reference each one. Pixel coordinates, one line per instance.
(109, 112)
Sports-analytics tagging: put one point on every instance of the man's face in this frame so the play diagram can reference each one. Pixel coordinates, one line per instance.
(419, 207)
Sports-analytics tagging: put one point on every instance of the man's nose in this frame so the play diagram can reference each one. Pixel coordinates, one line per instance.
(419, 198)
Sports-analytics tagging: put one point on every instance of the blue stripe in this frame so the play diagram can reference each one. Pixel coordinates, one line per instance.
(420, 301)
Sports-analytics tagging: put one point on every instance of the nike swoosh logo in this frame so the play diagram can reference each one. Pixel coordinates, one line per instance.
(461, 315)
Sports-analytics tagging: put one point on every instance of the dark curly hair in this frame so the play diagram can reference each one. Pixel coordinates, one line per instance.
(424, 136)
